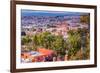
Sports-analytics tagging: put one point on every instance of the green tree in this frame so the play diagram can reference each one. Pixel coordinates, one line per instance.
(59, 44)
(35, 42)
(74, 41)
(25, 40)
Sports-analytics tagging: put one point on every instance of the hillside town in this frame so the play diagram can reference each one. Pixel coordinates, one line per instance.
(57, 25)
(48, 36)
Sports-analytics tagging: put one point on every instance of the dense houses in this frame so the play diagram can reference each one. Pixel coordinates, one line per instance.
(58, 25)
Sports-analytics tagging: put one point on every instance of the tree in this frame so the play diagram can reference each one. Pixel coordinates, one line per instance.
(35, 42)
(74, 41)
(59, 45)
(45, 39)
(25, 40)
(78, 40)
(49, 40)
(85, 19)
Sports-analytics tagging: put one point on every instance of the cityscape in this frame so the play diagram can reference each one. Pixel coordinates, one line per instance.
(50, 36)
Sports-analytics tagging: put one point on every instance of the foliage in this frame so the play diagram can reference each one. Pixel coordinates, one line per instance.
(74, 41)
(77, 40)
(57, 43)
(49, 41)
(25, 40)
(85, 19)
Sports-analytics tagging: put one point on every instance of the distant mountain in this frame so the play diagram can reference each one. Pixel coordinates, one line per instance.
(25, 12)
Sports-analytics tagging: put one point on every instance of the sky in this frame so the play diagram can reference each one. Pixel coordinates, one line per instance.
(25, 12)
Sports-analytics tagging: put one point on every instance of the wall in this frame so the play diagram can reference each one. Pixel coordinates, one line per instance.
(5, 36)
